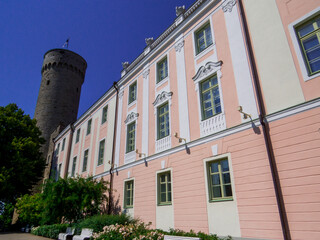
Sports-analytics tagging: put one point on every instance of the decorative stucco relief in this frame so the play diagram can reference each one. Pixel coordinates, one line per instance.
(162, 97)
(131, 117)
(179, 46)
(206, 69)
(227, 6)
(145, 74)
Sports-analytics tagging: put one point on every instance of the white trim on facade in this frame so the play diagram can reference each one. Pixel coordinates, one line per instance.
(184, 128)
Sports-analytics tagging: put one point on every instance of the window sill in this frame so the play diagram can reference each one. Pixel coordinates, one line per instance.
(132, 103)
(164, 204)
(163, 144)
(128, 207)
(221, 200)
(129, 157)
(204, 52)
(212, 125)
(163, 81)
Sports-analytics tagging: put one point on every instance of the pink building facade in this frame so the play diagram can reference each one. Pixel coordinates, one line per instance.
(215, 126)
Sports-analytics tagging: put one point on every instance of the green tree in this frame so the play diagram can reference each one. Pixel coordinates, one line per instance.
(29, 208)
(72, 199)
(21, 162)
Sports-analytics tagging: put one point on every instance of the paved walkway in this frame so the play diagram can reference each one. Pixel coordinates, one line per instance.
(21, 236)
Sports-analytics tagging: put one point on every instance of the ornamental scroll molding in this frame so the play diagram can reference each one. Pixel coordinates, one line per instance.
(206, 69)
(227, 6)
(162, 97)
(145, 74)
(179, 46)
(131, 117)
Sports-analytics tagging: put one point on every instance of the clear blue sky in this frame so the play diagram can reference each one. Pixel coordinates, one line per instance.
(104, 32)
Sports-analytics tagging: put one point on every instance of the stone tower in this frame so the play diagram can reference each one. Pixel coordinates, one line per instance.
(63, 73)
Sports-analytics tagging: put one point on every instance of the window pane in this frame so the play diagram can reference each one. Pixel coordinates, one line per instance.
(217, 192)
(310, 42)
(215, 179)
(226, 178)
(215, 167)
(227, 190)
(163, 197)
(169, 196)
(163, 188)
(313, 53)
(305, 29)
(225, 165)
(315, 65)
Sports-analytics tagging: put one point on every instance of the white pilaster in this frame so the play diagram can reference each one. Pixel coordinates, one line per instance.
(239, 60)
(145, 112)
(119, 123)
(182, 90)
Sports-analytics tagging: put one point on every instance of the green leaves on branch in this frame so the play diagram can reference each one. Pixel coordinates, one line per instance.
(21, 162)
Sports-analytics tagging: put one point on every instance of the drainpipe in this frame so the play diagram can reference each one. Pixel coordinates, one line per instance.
(110, 203)
(266, 129)
(65, 175)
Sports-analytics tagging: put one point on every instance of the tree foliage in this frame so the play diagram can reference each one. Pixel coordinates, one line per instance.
(21, 162)
(29, 208)
(72, 199)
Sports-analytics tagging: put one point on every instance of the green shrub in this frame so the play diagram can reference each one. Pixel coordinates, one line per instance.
(50, 231)
(99, 221)
(29, 208)
(201, 235)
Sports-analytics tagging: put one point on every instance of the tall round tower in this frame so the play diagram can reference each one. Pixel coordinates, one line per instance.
(63, 73)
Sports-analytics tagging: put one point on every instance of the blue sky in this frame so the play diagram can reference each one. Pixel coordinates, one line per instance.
(105, 33)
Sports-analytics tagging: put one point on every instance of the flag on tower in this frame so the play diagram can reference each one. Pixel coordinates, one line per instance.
(66, 44)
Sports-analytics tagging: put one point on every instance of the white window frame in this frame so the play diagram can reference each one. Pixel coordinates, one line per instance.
(196, 29)
(131, 117)
(296, 43)
(135, 101)
(166, 79)
(87, 160)
(221, 116)
(163, 144)
(205, 165)
(104, 152)
(157, 190)
(124, 189)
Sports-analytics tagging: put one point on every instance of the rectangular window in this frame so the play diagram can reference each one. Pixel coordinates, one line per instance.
(128, 194)
(210, 97)
(219, 181)
(309, 39)
(132, 92)
(74, 163)
(162, 69)
(164, 188)
(59, 170)
(203, 38)
(63, 144)
(78, 135)
(57, 150)
(89, 127)
(131, 135)
(85, 160)
(101, 152)
(104, 115)
(163, 121)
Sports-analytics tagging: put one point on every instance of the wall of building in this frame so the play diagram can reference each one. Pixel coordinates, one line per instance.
(292, 104)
